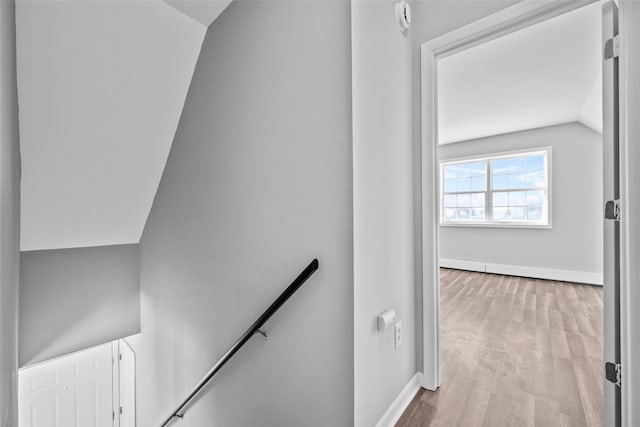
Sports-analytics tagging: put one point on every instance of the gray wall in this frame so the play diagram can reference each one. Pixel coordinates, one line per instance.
(383, 206)
(9, 216)
(434, 18)
(72, 299)
(258, 182)
(575, 240)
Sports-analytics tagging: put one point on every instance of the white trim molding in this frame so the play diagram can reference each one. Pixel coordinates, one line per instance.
(574, 276)
(400, 403)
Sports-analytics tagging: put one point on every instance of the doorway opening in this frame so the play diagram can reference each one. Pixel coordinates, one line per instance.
(92, 388)
(516, 319)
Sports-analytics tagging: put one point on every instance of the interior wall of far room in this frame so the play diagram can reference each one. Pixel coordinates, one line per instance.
(73, 299)
(431, 19)
(9, 217)
(574, 242)
(384, 275)
(258, 182)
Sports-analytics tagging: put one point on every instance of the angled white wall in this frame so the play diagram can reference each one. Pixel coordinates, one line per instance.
(9, 217)
(258, 183)
(73, 299)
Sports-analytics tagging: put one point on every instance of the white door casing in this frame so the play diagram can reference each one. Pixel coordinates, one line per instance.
(511, 19)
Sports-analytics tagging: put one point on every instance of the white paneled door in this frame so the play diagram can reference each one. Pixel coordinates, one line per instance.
(72, 391)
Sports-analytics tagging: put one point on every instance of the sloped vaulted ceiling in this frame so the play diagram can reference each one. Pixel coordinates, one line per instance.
(543, 75)
(101, 88)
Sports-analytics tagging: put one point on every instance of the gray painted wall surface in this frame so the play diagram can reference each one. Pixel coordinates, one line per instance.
(72, 299)
(383, 206)
(258, 182)
(9, 217)
(575, 240)
(434, 18)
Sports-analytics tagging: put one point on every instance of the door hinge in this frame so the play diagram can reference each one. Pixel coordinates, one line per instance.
(613, 373)
(120, 356)
(121, 410)
(612, 210)
(612, 48)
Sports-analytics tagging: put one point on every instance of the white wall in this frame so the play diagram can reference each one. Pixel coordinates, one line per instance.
(9, 216)
(383, 205)
(258, 183)
(73, 299)
(574, 243)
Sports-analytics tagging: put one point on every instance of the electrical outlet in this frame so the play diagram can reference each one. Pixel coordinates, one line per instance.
(398, 334)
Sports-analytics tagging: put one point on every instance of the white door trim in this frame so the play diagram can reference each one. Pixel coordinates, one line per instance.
(521, 15)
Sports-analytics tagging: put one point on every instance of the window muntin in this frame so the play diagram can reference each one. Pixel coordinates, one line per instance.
(499, 189)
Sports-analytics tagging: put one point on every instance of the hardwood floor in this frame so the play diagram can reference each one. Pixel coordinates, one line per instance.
(515, 352)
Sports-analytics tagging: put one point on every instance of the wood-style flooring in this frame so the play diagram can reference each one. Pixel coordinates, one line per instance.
(515, 352)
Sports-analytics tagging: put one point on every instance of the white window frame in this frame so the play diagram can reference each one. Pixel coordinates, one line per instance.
(489, 192)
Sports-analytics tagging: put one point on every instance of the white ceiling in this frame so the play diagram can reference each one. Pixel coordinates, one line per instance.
(101, 87)
(543, 75)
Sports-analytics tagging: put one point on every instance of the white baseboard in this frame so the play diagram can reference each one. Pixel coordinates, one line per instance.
(459, 264)
(400, 403)
(525, 271)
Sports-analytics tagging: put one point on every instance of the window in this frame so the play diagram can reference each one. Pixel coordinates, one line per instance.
(503, 189)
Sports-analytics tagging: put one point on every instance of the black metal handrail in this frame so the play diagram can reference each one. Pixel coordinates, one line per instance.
(284, 296)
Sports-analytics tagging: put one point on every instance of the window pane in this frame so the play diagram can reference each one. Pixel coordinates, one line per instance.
(464, 200)
(500, 166)
(449, 214)
(477, 200)
(534, 214)
(464, 184)
(500, 199)
(517, 198)
(477, 214)
(535, 198)
(535, 163)
(501, 182)
(536, 179)
(478, 169)
(518, 189)
(516, 165)
(518, 181)
(517, 214)
(450, 201)
(450, 172)
(479, 183)
(463, 214)
(464, 170)
(450, 185)
(499, 214)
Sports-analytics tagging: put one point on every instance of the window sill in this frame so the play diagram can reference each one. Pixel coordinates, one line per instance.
(495, 225)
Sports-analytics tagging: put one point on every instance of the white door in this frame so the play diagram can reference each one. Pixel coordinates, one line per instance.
(127, 385)
(71, 391)
(611, 158)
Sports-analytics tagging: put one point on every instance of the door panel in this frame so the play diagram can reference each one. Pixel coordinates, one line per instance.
(610, 136)
(71, 391)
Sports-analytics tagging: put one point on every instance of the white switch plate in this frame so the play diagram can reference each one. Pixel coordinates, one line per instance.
(398, 334)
